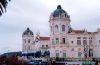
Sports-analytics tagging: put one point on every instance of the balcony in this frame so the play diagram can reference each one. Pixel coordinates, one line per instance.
(44, 47)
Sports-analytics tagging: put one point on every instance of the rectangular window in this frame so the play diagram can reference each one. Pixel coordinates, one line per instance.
(72, 42)
(64, 55)
(72, 49)
(46, 45)
(90, 52)
(84, 42)
(79, 54)
(84, 37)
(63, 40)
(53, 41)
(90, 42)
(25, 40)
(78, 42)
(57, 40)
(99, 41)
(57, 54)
(29, 48)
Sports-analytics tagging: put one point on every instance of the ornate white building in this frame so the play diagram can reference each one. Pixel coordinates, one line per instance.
(63, 41)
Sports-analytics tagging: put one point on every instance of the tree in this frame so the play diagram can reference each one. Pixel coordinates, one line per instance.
(3, 6)
(47, 54)
(11, 61)
(38, 54)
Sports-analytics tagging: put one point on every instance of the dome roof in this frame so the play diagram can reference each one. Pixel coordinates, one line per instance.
(27, 32)
(59, 11)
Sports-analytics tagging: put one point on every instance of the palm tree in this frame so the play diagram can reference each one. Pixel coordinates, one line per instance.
(3, 5)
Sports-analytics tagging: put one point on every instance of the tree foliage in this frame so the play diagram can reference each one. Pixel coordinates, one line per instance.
(11, 61)
(38, 54)
(3, 6)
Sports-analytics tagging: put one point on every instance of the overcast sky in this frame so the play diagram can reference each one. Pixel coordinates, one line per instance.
(35, 14)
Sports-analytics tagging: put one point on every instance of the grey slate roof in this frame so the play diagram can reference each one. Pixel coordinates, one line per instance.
(28, 32)
(59, 11)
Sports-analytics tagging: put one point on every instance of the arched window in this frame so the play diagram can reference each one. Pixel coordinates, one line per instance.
(56, 28)
(25, 40)
(63, 40)
(63, 27)
(57, 40)
(28, 40)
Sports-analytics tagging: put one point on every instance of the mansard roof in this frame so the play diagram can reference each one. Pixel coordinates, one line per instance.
(44, 38)
(59, 12)
(27, 32)
(78, 31)
(81, 32)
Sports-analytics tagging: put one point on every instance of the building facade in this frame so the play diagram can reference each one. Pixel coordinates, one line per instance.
(64, 41)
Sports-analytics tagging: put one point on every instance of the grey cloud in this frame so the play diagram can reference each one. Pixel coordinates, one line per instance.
(35, 14)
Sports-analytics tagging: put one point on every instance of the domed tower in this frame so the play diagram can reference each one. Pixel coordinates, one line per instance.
(28, 39)
(59, 27)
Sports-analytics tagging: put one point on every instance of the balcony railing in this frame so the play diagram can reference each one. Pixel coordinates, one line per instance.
(44, 47)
